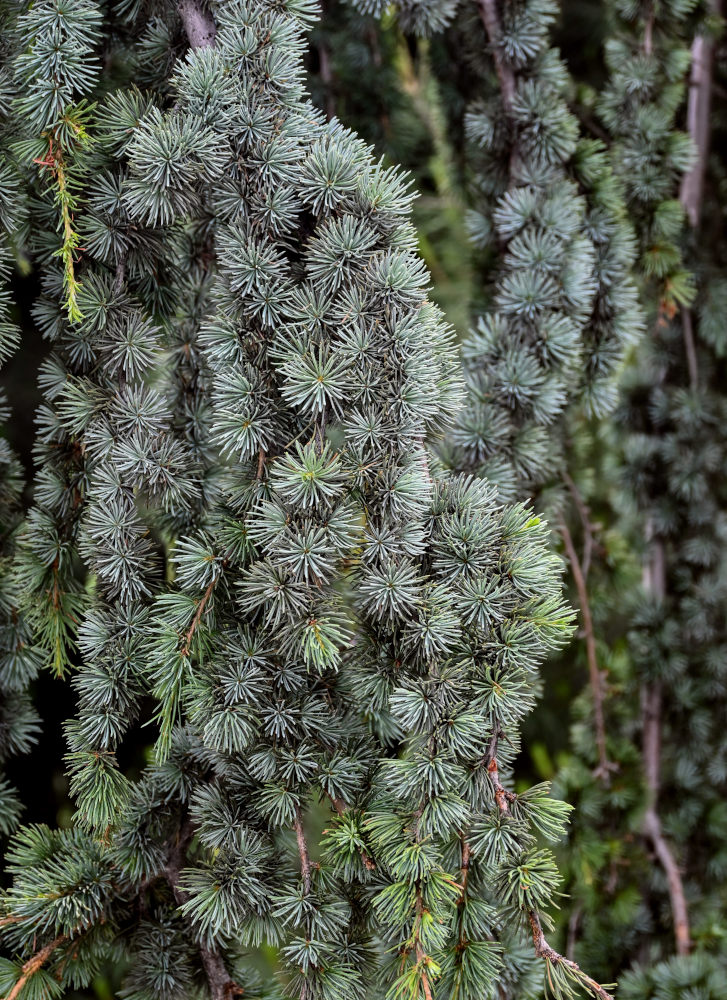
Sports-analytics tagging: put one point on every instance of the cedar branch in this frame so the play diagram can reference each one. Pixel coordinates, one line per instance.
(549, 954)
(543, 950)
(35, 964)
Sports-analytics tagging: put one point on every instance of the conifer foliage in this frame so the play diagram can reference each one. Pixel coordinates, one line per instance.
(671, 481)
(239, 536)
(561, 302)
(18, 663)
(548, 213)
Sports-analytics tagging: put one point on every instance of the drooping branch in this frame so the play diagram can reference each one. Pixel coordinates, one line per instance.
(604, 765)
(549, 954)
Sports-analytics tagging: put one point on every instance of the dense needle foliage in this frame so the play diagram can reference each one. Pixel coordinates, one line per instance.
(286, 541)
(238, 534)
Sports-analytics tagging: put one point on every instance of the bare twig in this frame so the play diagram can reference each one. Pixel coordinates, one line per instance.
(680, 913)
(35, 964)
(120, 274)
(649, 34)
(605, 766)
(584, 513)
(654, 580)
(549, 954)
(574, 923)
(199, 25)
(491, 20)
(692, 186)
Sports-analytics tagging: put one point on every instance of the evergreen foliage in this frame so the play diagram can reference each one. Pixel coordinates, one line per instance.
(667, 696)
(279, 543)
(561, 305)
(18, 664)
(237, 521)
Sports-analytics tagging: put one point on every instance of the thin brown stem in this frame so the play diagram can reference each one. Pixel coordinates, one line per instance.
(604, 765)
(35, 964)
(120, 274)
(584, 513)
(465, 862)
(204, 600)
(306, 868)
(549, 954)
(649, 35)
(651, 711)
(503, 797)
(305, 862)
(574, 924)
(690, 348)
(651, 697)
(680, 913)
